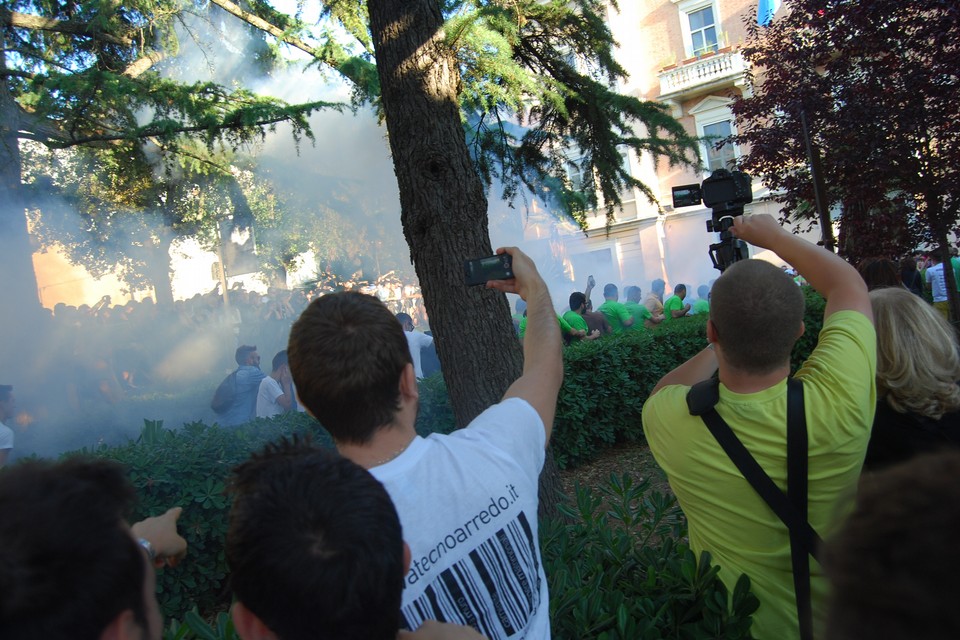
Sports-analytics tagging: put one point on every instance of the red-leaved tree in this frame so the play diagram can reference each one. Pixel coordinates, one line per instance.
(878, 82)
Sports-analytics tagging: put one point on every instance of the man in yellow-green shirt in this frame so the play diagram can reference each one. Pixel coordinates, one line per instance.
(751, 353)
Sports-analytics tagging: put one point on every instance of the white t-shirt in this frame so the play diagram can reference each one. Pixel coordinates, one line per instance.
(938, 282)
(6, 437)
(417, 341)
(267, 396)
(468, 506)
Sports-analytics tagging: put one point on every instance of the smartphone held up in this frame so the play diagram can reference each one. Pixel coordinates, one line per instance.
(480, 270)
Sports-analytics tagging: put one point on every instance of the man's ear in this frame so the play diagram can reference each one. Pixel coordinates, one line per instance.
(248, 625)
(803, 329)
(408, 382)
(406, 557)
(711, 332)
(123, 627)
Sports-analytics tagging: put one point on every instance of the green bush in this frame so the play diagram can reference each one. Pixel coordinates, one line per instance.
(190, 468)
(617, 569)
(606, 382)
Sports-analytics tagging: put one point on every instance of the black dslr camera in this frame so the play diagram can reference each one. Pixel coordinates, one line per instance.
(724, 193)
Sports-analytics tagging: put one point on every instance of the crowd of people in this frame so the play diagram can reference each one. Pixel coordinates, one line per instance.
(398, 535)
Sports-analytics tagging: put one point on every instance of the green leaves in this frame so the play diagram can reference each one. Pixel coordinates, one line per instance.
(620, 573)
(189, 468)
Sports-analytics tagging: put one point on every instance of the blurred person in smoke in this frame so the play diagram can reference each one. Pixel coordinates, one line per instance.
(71, 568)
(416, 340)
(7, 405)
(276, 394)
(243, 404)
(306, 521)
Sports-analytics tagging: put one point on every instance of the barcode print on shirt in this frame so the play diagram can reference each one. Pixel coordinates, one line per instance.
(495, 588)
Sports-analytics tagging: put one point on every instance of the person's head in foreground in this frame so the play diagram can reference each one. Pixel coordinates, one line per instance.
(918, 364)
(893, 566)
(70, 567)
(314, 546)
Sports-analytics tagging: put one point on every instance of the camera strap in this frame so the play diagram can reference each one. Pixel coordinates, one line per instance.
(791, 507)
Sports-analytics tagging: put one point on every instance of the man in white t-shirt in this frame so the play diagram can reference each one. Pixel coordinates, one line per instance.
(276, 390)
(467, 501)
(6, 412)
(937, 284)
(415, 340)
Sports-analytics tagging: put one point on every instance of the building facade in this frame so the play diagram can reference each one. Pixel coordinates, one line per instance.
(686, 55)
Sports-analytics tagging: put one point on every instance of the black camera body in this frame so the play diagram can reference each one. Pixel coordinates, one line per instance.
(724, 193)
(479, 270)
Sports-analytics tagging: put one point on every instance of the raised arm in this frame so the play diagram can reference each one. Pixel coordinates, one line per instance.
(828, 273)
(591, 283)
(542, 347)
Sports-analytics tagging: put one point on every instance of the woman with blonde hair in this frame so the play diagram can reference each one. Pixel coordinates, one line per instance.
(918, 366)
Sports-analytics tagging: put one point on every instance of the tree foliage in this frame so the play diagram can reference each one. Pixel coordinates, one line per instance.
(537, 90)
(878, 83)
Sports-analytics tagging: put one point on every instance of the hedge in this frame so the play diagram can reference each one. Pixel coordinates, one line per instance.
(606, 382)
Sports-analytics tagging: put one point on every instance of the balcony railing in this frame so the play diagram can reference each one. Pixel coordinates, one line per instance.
(718, 68)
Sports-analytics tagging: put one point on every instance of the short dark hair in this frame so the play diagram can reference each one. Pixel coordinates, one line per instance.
(757, 311)
(243, 352)
(610, 290)
(404, 318)
(5, 391)
(893, 563)
(68, 564)
(658, 285)
(315, 546)
(280, 359)
(878, 273)
(577, 300)
(680, 288)
(347, 353)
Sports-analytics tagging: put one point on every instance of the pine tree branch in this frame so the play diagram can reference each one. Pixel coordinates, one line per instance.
(151, 131)
(37, 23)
(275, 31)
(140, 66)
(17, 74)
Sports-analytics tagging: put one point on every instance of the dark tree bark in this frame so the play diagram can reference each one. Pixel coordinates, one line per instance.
(443, 203)
(443, 208)
(21, 302)
(160, 269)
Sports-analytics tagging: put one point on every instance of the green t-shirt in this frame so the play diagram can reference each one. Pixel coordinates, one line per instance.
(576, 320)
(565, 328)
(725, 515)
(671, 303)
(616, 314)
(639, 313)
(700, 306)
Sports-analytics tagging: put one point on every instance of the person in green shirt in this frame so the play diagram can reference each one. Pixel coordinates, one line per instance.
(568, 332)
(641, 315)
(616, 314)
(702, 304)
(673, 307)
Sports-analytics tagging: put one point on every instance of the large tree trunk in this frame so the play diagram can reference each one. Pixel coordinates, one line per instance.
(443, 203)
(443, 206)
(160, 271)
(21, 303)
